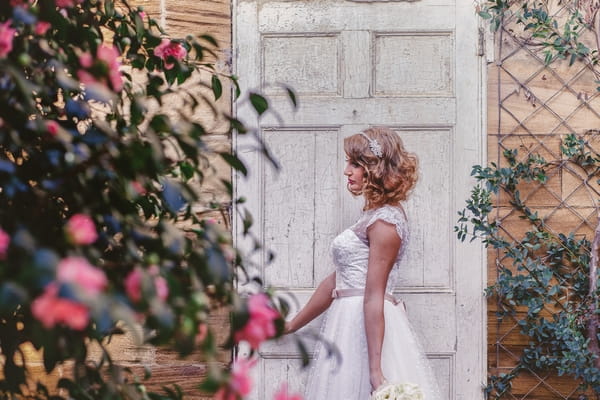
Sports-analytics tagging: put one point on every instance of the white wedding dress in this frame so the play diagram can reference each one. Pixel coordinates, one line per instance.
(403, 361)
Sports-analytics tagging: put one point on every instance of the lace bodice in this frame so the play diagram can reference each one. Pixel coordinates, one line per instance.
(350, 249)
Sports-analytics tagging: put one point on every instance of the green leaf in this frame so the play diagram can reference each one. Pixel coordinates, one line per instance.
(485, 14)
(238, 91)
(217, 88)
(572, 59)
(109, 8)
(210, 39)
(187, 170)
(234, 162)
(259, 103)
(292, 96)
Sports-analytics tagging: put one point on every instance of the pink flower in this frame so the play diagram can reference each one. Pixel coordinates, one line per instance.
(240, 383)
(67, 3)
(162, 289)
(80, 227)
(109, 56)
(42, 27)
(282, 394)
(20, 3)
(138, 187)
(6, 38)
(133, 284)
(142, 14)
(202, 333)
(225, 393)
(52, 127)
(86, 60)
(106, 63)
(50, 310)
(167, 49)
(260, 324)
(4, 242)
(79, 271)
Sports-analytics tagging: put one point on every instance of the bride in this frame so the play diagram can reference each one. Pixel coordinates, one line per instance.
(364, 321)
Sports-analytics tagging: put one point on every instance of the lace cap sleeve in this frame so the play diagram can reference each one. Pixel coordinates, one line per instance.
(392, 215)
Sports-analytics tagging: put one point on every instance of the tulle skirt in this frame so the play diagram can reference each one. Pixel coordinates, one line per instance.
(345, 375)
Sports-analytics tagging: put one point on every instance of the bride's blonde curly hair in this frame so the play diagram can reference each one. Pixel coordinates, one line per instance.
(389, 178)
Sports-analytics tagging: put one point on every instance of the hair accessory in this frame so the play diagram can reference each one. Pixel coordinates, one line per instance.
(374, 146)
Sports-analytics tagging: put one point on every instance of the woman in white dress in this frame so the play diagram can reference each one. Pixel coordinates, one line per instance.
(364, 321)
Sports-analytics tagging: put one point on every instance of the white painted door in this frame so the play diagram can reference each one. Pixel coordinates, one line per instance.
(409, 65)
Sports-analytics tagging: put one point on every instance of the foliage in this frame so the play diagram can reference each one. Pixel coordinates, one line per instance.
(97, 182)
(543, 279)
(565, 30)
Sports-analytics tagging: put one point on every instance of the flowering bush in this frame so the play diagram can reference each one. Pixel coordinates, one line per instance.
(97, 230)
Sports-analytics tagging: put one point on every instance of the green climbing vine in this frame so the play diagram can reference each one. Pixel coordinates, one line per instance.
(547, 281)
(544, 280)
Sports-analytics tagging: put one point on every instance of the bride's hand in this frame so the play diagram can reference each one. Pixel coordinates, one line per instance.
(287, 328)
(377, 379)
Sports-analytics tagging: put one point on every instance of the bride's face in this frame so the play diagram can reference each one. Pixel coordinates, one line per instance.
(356, 176)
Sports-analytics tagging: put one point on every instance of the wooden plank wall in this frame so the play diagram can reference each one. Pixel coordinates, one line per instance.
(531, 107)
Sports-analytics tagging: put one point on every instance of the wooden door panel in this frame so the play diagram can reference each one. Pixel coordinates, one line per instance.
(300, 202)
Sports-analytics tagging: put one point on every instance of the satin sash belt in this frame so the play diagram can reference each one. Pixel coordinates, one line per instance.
(337, 293)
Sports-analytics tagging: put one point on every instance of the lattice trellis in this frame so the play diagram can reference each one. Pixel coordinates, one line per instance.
(532, 106)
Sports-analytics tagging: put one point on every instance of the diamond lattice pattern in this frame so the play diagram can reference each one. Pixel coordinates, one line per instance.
(532, 106)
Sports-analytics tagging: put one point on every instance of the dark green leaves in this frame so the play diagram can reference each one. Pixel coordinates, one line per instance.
(259, 103)
(217, 88)
(542, 281)
(235, 162)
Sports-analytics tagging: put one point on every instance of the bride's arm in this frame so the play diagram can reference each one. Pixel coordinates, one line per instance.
(384, 244)
(318, 302)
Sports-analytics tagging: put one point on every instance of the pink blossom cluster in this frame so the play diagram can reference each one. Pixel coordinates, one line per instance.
(4, 243)
(80, 228)
(51, 309)
(41, 27)
(20, 3)
(6, 38)
(240, 383)
(52, 127)
(283, 394)
(168, 48)
(133, 284)
(67, 3)
(106, 60)
(78, 271)
(260, 325)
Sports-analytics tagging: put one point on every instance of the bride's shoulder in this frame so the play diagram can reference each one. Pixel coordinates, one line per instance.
(392, 210)
(392, 214)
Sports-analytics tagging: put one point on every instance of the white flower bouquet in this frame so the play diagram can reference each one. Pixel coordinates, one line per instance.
(397, 391)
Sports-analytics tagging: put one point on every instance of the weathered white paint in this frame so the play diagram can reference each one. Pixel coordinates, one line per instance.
(412, 66)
